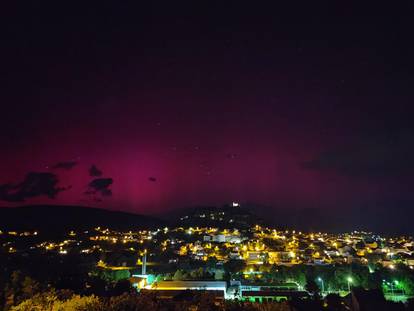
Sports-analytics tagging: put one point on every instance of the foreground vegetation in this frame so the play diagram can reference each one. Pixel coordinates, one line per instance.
(147, 301)
(22, 293)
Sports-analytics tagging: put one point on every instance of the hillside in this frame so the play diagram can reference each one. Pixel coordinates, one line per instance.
(392, 218)
(55, 218)
(226, 216)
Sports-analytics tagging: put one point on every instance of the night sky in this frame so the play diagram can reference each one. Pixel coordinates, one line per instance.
(147, 109)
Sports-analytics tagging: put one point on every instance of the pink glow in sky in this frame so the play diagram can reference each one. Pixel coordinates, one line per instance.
(184, 107)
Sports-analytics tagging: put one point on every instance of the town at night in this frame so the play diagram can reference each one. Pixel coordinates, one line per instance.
(237, 263)
(223, 156)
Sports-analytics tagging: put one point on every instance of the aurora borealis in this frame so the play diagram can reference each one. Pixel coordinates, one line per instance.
(198, 106)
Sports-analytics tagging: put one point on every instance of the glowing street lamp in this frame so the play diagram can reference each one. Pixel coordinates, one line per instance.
(393, 286)
(350, 280)
(323, 285)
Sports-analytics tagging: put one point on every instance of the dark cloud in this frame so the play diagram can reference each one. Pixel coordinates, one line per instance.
(153, 179)
(34, 185)
(94, 171)
(100, 186)
(65, 165)
(387, 155)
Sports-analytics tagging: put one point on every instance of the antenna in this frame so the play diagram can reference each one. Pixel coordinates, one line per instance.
(144, 263)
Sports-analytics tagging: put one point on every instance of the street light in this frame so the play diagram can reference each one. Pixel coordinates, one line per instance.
(350, 280)
(391, 284)
(394, 286)
(323, 285)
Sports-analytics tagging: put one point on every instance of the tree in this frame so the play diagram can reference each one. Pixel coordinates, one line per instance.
(312, 287)
(121, 287)
(234, 266)
(29, 288)
(145, 301)
(334, 302)
(19, 288)
(274, 306)
(205, 302)
(179, 275)
(84, 303)
(219, 274)
(50, 302)
(111, 275)
(211, 262)
(197, 274)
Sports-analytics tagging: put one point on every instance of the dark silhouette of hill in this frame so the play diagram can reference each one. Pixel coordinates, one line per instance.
(391, 218)
(225, 216)
(387, 218)
(55, 218)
